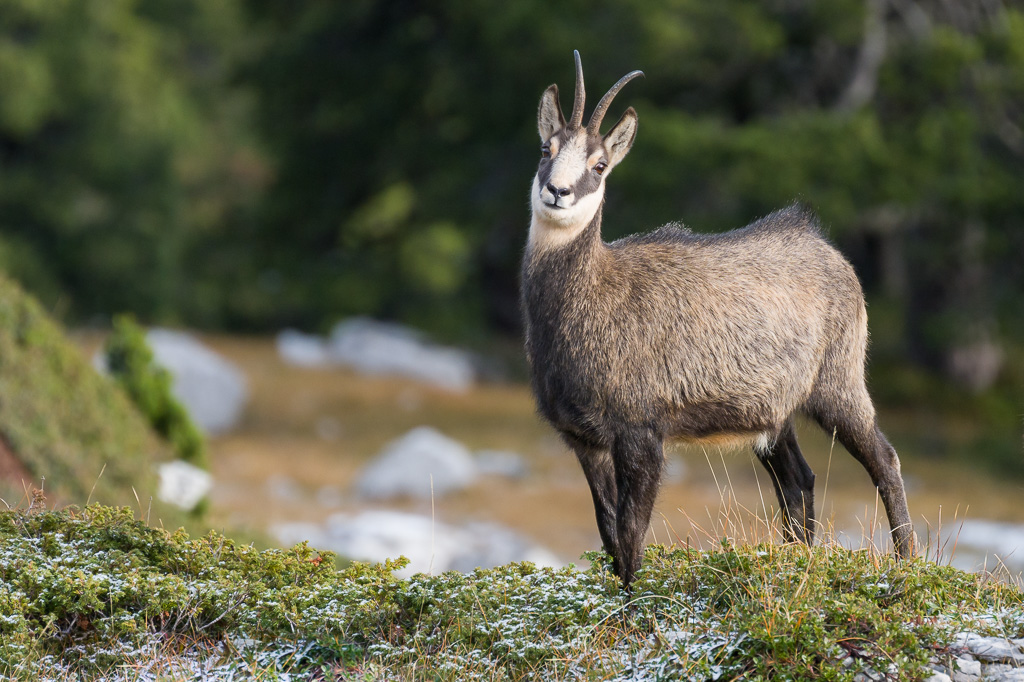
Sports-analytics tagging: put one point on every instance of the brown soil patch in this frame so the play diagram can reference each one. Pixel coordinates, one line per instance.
(13, 472)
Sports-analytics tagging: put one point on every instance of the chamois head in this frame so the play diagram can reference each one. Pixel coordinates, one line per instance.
(569, 185)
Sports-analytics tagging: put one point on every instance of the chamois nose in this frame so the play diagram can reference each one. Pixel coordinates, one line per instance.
(559, 191)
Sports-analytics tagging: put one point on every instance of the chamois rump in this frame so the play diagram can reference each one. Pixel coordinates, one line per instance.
(715, 339)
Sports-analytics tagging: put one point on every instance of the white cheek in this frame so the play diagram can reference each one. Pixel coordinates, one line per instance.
(536, 200)
(582, 212)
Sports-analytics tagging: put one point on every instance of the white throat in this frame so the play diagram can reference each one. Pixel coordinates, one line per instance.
(551, 227)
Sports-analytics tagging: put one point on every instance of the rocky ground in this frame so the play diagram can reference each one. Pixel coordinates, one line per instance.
(973, 657)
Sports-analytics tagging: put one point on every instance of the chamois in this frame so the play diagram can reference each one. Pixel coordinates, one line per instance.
(705, 338)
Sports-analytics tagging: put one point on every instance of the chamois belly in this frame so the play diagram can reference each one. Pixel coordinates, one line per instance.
(593, 403)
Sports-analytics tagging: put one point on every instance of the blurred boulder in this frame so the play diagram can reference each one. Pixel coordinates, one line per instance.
(430, 546)
(982, 543)
(501, 463)
(212, 389)
(421, 463)
(301, 349)
(490, 544)
(373, 347)
(183, 484)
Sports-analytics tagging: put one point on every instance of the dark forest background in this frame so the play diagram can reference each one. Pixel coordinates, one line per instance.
(245, 165)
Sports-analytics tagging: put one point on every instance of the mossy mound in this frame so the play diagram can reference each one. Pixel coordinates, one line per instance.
(62, 421)
(92, 593)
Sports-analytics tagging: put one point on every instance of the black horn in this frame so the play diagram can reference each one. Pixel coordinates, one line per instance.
(576, 120)
(594, 127)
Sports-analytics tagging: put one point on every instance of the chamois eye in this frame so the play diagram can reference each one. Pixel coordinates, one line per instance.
(545, 151)
(600, 167)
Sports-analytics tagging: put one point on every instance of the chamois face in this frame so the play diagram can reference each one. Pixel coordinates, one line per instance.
(569, 185)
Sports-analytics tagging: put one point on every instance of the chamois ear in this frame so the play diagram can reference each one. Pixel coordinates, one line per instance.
(620, 138)
(549, 114)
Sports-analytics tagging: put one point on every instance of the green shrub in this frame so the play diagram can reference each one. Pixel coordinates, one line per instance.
(130, 362)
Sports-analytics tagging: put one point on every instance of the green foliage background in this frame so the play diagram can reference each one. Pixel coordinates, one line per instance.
(248, 164)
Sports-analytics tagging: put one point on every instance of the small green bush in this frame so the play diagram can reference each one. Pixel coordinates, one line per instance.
(130, 362)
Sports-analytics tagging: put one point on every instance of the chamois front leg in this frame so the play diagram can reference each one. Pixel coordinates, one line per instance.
(597, 466)
(638, 460)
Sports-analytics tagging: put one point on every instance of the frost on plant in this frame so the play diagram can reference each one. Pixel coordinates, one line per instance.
(95, 593)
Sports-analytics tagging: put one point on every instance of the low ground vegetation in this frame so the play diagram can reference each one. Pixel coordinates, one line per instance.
(90, 593)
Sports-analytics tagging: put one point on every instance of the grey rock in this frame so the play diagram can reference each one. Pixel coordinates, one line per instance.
(212, 389)
(430, 546)
(868, 675)
(991, 649)
(981, 542)
(373, 347)
(183, 484)
(302, 350)
(420, 464)
(992, 669)
(965, 669)
(938, 676)
(489, 544)
(1006, 675)
(501, 463)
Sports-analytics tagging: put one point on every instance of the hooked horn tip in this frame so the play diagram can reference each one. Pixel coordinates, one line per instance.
(602, 107)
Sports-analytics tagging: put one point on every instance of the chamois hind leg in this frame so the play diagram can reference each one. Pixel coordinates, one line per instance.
(852, 417)
(638, 460)
(794, 484)
(597, 466)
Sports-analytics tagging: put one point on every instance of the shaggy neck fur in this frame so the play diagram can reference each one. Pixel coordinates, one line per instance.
(569, 253)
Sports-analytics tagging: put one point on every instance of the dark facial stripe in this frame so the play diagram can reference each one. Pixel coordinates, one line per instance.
(588, 182)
